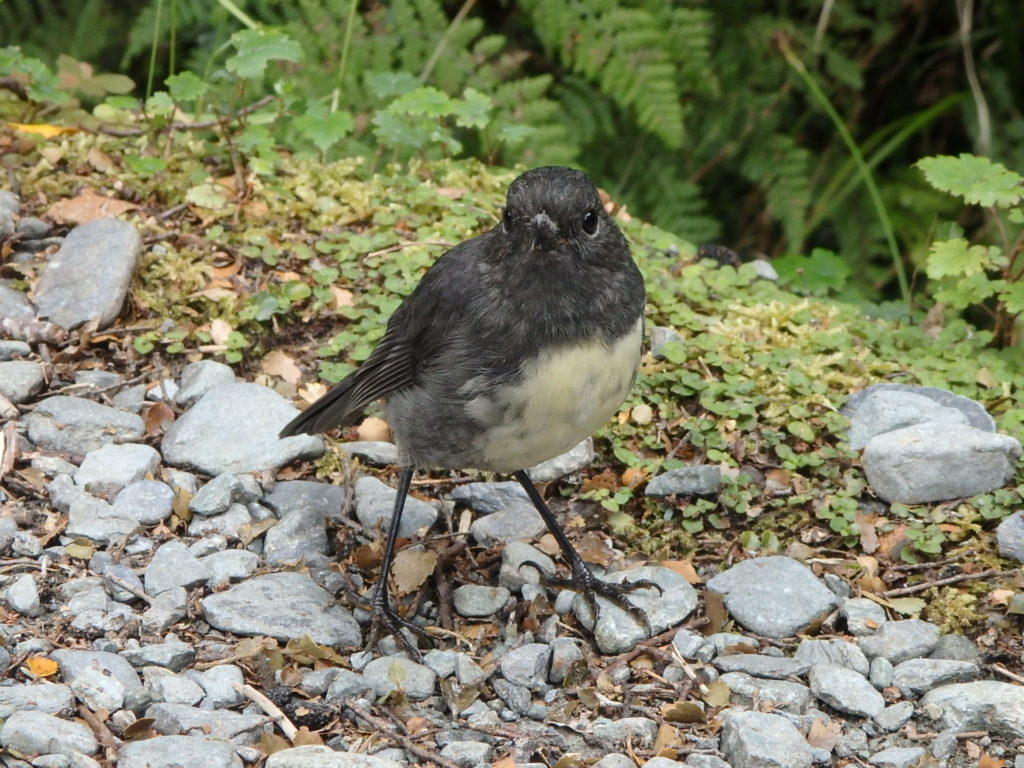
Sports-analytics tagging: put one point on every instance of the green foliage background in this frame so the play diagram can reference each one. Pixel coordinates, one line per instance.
(685, 110)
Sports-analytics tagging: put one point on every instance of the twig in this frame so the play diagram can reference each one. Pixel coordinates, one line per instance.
(1006, 673)
(959, 735)
(938, 583)
(388, 731)
(189, 126)
(119, 582)
(642, 648)
(104, 735)
(287, 727)
(400, 246)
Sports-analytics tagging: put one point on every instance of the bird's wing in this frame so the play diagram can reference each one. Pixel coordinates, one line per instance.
(417, 330)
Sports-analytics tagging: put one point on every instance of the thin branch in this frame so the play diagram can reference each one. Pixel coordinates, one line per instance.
(939, 583)
(287, 727)
(200, 125)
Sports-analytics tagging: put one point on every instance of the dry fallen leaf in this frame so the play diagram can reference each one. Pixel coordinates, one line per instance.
(100, 160)
(40, 666)
(824, 735)
(594, 549)
(683, 712)
(41, 129)
(305, 736)
(87, 207)
(156, 417)
(277, 363)
(411, 568)
(684, 568)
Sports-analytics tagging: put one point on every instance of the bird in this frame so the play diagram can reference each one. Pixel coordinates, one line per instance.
(515, 345)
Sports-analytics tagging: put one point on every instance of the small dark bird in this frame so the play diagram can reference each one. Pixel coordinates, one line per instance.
(514, 347)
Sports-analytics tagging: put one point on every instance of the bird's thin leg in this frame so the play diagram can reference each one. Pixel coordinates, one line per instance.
(381, 614)
(583, 579)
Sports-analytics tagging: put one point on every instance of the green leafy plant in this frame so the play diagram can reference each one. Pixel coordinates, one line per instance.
(983, 276)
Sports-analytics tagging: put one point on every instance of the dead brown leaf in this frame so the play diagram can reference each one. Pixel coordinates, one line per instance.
(667, 736)
(306, 736)
(100, 160)
(411, 568)
(684, 568)
(714, 611)
(87, 207)
(220, 330)
(824, 735)
(865, 523)
(278, 363)
(156, 417)
(594, 549)
(683, 712)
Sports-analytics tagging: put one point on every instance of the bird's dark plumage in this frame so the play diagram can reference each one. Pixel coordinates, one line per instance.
(515, 345)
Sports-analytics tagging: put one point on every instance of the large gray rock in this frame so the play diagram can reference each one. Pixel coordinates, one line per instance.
(51, 698)
(314, 756)
(199, 378)
(300, 533)
(147, 501)
(885, 410)
(392, 673)
(283, 605)
(845, 690)
(176, 751)
(701, 480)
(773, 596)
(88, 278)
(975, 412)
(233, 428)
(375, 503)
(77, 425)
(490, 497)
(901, 640)
(985, 705)
(15, 305)
(920, 675)
(172, 719)
(37, 733)
(110, 468)
(173, 565)
(762, 739)
(748, 691)
(74, 662)
(519, 521)
(935, 461)
(576, 458)
(1010, 537)
(20, 380)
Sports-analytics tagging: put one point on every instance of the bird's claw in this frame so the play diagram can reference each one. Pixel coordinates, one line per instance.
(384, 621)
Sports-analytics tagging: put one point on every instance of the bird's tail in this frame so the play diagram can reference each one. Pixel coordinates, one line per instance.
(334, 409)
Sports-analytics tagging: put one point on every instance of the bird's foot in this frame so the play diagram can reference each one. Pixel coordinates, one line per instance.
(384, 621)
(590, 586)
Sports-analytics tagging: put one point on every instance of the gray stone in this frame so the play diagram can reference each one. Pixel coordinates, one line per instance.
(945, 747)
(10, 350)
(94, 379)
(617, 631)
(467, 754)
(641, 732)
(230, 565)
(693, 645)
(486, 498)
(753, 691)
(845, 690)
(233, 428)
(8, 529)
(863, 616)
(519, 521)
(9, 202)
(20, 380)
(173, 719)
(897, 757)
(880, 673)
(51, 698)
(146, 501)
(921, 675)
(890, 409)
(32, 228)
(283, 605)
(164, 391)
(51, 466)
(852, 743)
(895, 717)
(218, 685)
(956, 647)
(23, 596)
(327, 500)
(565, 653)
(165, 685)
(835, 651)
(25, 544)
(74, 662)
(77, 425)
(975, 412)
(109, 468)
(88, 278)
(474, 600)
(96, 520)
(758, 665)
(374, 453)
(348, 685)
(442, 662)
(901, 640)
(315, 756)
(702, 480)
(936, 462)
(176, 751)
(98, 689)
(1010, 537)
(130, 398)
(171, 654)
(527, 665)
(199, 378)
(301, 532)
(576, 458)
(15, 305)
(35, 733)
(468, 672)
(392, 673)
(216, 496)
(174, 566)
(166, 610)
(773, 596)
(731, 642)
(660, 336)
(228, 524)
(986, 705)
(762, 739)
(516, 569)
(375, 503)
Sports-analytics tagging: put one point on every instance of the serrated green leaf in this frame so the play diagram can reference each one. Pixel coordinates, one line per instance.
(817, 274)
(908, 606)
(256, 48)
(393, 129)
(1013, 297)
(160, 104)
(471, 110)
(969, 290)
(515, 133)
(948, 258)
(186, 86)
(426, 100)
(206, 195)
(322, 128)
(386, 85)
(978, 180)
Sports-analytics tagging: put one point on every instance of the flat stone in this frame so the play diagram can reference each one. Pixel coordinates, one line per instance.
(576, 458)
(98, 689)
(172, 719)
(486, 498)
(519, 521)
(37, 733)
(880, 673)
(762, 739)
(216, 496)
(300, 533)
(173, 565)
(527, 665)
(783, 694)
(228, 524)
(887, 410)
(477, 601)
(230, 565)
(845, 690)
(983, 705)
(77, 425)
(934, 461)
(315, 756)
(863, 616)
(391, 673)
(20, 380)
(166, 610)
(901, 640)
(218, 684)
(921, 675)
(146, 501)
(956, 647)
(199, 378)
(897, 757)
(1010, 537)
(327, 500)
(773, 596)
(758, 665)
(375, 504)
(284, 605)
(15, 305)
(51, 698)
(109, 468)
(9, 350)
(617, 631)
(233, 428)
(176, 751)
(639, 731)
(74, 662)
(23, 596)
(895, 717)
(167, 686)
(96, 520)
(171, 654)
(703, 480)
(835, 651)
(517, 565)
(374, 453)
(88, 278)
(467, 754)
(975, 412)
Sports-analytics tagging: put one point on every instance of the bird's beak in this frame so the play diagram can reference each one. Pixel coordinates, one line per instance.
(545, 231)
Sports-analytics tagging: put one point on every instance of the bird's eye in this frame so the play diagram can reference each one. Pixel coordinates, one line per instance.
(590, 222)
(506, 219)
